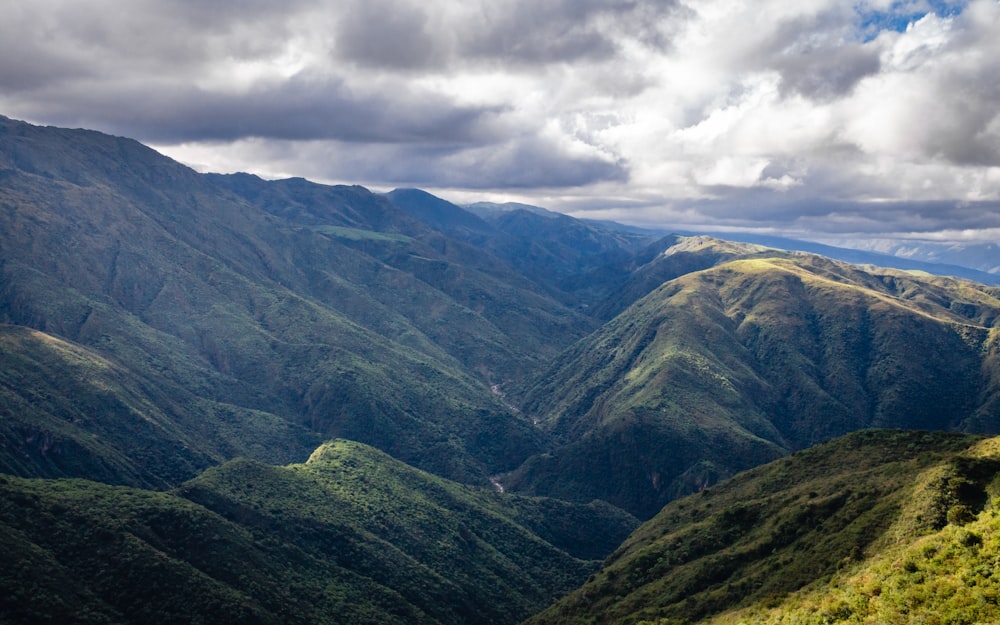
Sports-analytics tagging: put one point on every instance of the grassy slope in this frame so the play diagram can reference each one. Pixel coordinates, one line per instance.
(726, 368)
(940, 577)
(811, 535)
(351, 536)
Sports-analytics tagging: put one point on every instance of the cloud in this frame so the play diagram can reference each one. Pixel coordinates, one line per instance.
(774, 115)
(515, 164)
(389, 34)
(406, 35)
(298, 109)
(937, 99)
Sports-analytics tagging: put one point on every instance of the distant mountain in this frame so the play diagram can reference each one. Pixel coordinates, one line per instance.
(878, 526)
(974, 262)
(351, 536)
(983, 257)
(440, 214)
(761, 354)
(566, 257)
(493, 210)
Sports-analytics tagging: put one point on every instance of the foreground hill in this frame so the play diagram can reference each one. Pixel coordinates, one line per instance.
(876, 527)
(233, 312)
(729, 367)
(351, 536)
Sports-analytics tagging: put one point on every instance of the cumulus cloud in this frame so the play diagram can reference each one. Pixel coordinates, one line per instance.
(813, 116)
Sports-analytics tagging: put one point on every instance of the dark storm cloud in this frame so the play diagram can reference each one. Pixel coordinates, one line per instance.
(918, 217)
(805, 212)
(539, 32)
(531, 162)
(389, 34)
(300, 109)
(53, 42)
(146, 73)
(35, 69)
(405, 35)
(559, 31)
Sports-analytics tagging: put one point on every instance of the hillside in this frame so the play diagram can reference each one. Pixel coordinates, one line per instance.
(878, 526)
(284, 304)
(351, 536)
(67, 411)
(723, 369)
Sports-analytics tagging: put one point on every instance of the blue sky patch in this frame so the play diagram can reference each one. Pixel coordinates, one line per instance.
(902, 14)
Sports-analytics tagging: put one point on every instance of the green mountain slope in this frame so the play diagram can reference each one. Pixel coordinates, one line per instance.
(723, 369)
(390, 266)
(351, 536)
(65, 411)
(323, 307)
(878, 526)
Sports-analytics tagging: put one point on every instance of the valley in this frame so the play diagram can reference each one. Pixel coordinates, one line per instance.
(230, 399)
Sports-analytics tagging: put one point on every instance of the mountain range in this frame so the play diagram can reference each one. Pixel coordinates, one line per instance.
(281, 401)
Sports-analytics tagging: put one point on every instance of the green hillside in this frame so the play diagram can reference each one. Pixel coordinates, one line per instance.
(726, 368)
(875, 527)
(351, 536)
(67, 411)
(283, 303)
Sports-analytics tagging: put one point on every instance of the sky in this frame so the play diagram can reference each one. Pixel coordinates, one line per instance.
(815, 118)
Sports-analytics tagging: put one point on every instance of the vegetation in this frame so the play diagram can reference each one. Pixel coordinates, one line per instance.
(351, 536)
(186, 341)
(875, 527)
(578, 263)
(729, 367)
(222, 300)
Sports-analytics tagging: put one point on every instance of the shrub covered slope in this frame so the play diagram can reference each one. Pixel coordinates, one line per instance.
(351, 536)
(879, 526)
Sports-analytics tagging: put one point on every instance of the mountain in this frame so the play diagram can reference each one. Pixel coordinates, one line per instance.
(972, 262)
(232, 312)
(566, 258)
(982, 257)
(666, 259)
(726, 368)
(441, 214)
(350, 536)
(65, 410)
(874, 527)
(180, 343)
(492, 210)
